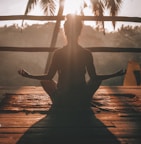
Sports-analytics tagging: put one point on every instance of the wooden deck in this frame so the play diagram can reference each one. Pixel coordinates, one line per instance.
(116, 118)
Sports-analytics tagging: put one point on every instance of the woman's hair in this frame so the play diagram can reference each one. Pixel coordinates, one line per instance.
(73, 24)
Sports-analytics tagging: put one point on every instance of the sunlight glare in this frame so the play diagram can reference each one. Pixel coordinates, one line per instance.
(72, 6)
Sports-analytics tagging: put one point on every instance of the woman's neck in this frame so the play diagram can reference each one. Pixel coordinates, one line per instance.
(72, 42)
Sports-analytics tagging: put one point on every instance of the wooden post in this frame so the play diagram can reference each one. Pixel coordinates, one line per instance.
(55, 34)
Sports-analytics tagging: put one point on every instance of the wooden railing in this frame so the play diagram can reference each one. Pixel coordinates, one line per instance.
(51, 49)
(86, 18)
(54, 18)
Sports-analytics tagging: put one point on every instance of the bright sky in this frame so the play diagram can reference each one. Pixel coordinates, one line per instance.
(17, 7)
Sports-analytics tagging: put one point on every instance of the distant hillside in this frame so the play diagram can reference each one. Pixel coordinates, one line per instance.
(40, 35)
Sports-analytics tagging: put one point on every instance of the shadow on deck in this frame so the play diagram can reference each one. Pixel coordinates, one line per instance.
(114, 118)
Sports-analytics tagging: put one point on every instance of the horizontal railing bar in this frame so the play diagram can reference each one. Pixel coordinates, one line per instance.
(28, 49)
(86, 18)
(50, 49)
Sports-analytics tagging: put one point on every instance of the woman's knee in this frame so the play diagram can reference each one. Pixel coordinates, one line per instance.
(49, 86)
(93, 85)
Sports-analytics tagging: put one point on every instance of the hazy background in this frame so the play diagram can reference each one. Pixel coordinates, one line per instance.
(40, 35)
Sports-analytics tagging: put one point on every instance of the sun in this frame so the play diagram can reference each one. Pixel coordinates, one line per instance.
(73, 7)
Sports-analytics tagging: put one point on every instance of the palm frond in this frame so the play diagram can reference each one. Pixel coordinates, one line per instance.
(100, 5)
(30, 5)
(48, 7)
(82, 7)
(98, 9)
(113, 6)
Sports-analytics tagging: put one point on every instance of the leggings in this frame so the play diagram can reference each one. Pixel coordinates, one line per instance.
(50, 87)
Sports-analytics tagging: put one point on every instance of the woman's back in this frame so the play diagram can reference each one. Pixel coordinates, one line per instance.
(71, 67)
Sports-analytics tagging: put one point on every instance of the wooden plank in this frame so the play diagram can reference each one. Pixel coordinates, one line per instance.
(13, 130)
(86, 18)
(125, 132)
(124, 117)
(130, 140)
(128, 124)
(44, 139)
(120, 132)
(122, 135)
(46, 122)
(9, 138)
(21, 115)
(52, 49)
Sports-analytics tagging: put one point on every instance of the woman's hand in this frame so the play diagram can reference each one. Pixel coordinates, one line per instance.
(120, 72)
(23, 73)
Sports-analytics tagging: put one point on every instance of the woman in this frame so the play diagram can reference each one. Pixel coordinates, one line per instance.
(71, 63)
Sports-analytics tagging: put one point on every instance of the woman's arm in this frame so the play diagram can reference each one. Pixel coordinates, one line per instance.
(116, 74)
(94, 76)
(26, 74)
(49, 76)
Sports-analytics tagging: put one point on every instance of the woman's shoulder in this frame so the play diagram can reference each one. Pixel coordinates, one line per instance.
(59, 50)
(85, 50)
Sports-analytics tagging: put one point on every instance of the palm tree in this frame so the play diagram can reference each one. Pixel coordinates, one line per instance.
(48, 6)
(98, 7)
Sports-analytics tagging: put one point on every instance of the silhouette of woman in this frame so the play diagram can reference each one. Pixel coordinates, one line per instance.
(72, 91)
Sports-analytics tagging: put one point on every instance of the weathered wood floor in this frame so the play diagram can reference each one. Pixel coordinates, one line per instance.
(116, 118)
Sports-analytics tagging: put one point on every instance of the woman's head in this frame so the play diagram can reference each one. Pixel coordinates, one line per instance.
(73, 26)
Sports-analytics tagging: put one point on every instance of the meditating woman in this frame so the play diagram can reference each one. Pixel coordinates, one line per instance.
(72, 91)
